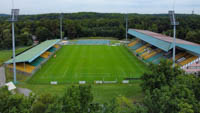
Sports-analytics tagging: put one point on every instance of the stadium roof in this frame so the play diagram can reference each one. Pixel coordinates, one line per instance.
(164, 42)
(33, 53)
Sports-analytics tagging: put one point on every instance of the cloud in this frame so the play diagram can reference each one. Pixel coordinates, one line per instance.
(122, 6)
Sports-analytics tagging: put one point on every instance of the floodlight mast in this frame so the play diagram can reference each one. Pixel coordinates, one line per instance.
(61, 34)
(174, 23)
(126, 27)
(13, 19)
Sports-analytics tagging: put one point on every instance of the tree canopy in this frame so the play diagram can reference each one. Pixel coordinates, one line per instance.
(89, 24)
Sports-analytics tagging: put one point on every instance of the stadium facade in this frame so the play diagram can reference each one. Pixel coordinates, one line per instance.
(152, 47)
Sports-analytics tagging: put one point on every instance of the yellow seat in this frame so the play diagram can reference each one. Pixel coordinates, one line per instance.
(144, 54)
(133, 43)
(141, 49)
(56, 46)
(46, 54)
(178, 56)
(188, 60)
(23, 68)
(152, 54)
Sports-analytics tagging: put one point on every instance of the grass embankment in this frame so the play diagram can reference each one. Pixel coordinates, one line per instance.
(7, 54)
(102, 93)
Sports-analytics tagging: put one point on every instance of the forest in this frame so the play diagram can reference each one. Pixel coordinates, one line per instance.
(90, 24)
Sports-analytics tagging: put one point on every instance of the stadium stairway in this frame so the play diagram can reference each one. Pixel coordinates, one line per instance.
(141, 49)
(133, 43)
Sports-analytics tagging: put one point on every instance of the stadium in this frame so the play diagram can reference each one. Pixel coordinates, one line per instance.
(100, 61)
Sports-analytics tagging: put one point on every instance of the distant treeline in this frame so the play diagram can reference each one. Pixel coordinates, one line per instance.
(88, 24)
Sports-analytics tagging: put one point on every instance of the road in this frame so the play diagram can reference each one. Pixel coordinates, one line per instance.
(2, 76)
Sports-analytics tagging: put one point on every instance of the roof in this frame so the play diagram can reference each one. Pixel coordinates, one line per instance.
(33, 53)
(11, 86)
(164, 42)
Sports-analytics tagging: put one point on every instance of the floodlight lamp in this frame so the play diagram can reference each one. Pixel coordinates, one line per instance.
(172, 18)
(61, 15)
(14, 14)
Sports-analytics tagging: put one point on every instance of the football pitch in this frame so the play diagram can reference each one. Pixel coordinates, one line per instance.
(89, 63)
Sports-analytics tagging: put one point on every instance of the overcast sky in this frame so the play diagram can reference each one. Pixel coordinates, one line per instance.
(116, 6)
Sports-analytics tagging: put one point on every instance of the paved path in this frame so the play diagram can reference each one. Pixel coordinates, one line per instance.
(24, 91)
(2, 76)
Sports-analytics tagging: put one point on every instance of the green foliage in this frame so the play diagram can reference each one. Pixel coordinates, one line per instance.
(77, 99)
(14, 103)
(75, 25)
(169, 90)
(159, 76)
(193, 36)
(42, 33)
(125, 105)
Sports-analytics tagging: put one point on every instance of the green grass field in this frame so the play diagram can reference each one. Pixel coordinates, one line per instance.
(88, 63)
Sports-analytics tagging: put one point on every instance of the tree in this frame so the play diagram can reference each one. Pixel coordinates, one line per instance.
(14, 103)
(44, 103)
(24, 39)
(169, 90)
(77, 99)
(193, 36)
(43, 34)
(159, 76)
(7, 39)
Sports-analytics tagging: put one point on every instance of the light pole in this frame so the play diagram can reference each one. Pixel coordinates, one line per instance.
(174, 23)
(61, 16)
(126, 27)
(13, 19)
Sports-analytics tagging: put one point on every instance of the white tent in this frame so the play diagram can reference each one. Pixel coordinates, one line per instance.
(11, 86)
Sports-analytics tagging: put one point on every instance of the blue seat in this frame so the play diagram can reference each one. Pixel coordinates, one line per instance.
(135, 47)
(157, 61)
(154, 57)
(37, 61)
(52, 49)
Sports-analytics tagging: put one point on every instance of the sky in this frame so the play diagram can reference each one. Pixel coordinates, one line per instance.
(104, 6)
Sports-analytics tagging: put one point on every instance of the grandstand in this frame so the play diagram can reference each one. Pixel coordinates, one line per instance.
(31, 60)
(152, 47)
